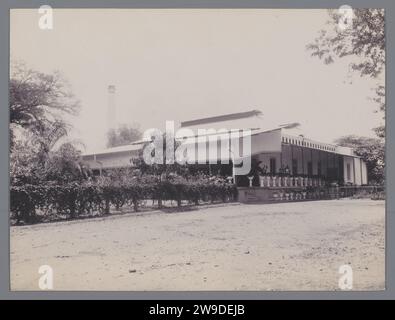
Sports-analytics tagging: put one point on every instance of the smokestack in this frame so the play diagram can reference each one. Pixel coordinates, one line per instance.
(112, 110)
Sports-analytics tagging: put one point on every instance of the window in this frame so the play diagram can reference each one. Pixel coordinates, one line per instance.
(309, 168)
(348, 171)
(294, 166)
(319, 168)
(272, 165)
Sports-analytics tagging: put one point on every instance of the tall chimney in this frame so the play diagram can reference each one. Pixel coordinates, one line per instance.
(112, 111)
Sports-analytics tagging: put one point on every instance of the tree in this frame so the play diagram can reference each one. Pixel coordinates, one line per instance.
(380, 100)
(65, 165)
(162, 170)
(123, 135)
(38, 103)
(61, 165)
(371, 150)
(45, 135)
(361, 36)
(23, 164)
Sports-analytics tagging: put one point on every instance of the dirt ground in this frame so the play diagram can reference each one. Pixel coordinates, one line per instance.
(284, 246)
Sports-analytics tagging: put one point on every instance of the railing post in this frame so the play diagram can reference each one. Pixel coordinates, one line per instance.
(250, 178)
(261, 181)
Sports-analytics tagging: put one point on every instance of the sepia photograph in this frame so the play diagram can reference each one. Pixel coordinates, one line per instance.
(197, 149)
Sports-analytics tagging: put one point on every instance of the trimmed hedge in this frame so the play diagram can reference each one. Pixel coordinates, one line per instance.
(74, 199)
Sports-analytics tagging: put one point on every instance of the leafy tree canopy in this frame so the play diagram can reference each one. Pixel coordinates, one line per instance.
(65, 165)
(123, 135)
(38, 103)
(360, 34)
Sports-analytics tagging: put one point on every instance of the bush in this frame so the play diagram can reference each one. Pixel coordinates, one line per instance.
(73, 199)
(25, 200)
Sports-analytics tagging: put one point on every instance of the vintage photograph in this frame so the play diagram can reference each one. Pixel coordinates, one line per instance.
(197, 149)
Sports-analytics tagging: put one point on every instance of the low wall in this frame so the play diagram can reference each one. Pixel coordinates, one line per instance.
(287, 194)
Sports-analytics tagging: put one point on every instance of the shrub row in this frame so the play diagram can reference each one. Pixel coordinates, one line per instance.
(75, 198)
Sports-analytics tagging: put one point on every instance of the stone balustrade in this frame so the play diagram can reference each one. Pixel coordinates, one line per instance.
(287, 181)
(296, 193)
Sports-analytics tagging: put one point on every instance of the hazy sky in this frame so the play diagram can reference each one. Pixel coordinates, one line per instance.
(179, 64)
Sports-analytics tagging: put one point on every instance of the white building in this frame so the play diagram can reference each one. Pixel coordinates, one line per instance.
(280, 150)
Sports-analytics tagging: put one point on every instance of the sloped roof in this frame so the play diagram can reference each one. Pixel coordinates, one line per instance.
(221, 118)
(125, 148)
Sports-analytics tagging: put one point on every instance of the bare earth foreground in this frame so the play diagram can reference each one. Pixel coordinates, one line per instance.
(285, 246)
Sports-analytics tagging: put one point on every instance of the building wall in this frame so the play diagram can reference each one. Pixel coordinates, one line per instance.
(297, 154)
(304, 155)
(269, 141)
(357, 166)
(324, 163)
(265, 158)
(110, 160)
(361, 173)
(331, 163)
(364, 173)
(349, 162)
(301, 156)
(315, 158)
(286, 156)
(333, 166)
